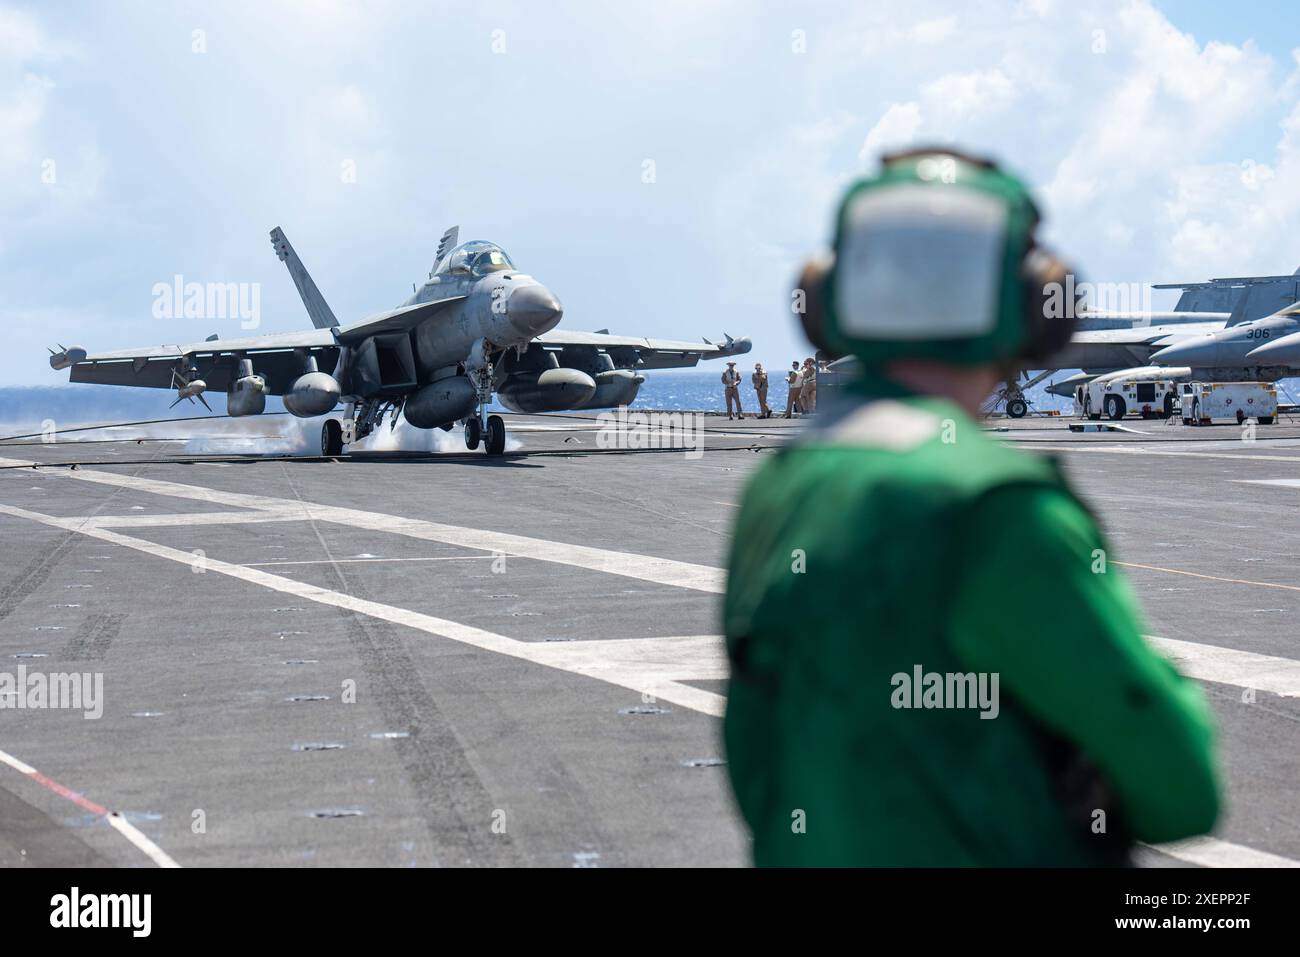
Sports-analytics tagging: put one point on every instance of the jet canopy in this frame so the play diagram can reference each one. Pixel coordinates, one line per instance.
(476, 257)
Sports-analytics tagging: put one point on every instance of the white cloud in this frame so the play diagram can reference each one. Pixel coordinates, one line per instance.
(24, 97)
(1134, 148)
(963, 97)
(934, 31)
(1238, 217)
(21, 37)
(1169, 102)
(898, 127)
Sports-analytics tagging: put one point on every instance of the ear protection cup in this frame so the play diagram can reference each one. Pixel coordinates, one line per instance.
(812, 283)
(1049, 319)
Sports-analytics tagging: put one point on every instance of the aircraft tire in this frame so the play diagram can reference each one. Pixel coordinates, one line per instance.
(1017, 408)
(473, 432)
(495, 442)
(331, 438)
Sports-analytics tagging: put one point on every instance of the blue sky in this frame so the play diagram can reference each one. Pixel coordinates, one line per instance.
(1163, 140)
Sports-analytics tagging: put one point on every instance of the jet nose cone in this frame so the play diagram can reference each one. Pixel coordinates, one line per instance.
(534, 310)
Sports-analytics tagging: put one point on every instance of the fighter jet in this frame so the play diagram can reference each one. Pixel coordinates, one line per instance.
(1259, 350)
(477, 327)
(1204, 310)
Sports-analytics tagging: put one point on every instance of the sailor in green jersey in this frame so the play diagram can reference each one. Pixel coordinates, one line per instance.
(933, 660)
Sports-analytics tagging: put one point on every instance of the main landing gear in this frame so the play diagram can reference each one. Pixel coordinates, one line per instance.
(331, 438)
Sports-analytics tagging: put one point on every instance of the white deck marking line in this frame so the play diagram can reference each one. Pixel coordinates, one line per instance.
(644, 672)
(662, 663)
(132, 834)
(118, 823)
(1245, 669)
(663, 571)
(19, 766)
(181, 518)
(1280, 483)
(371, 561)
(1212, 852)
(1088, 447)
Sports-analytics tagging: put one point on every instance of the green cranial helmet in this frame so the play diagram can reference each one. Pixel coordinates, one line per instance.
(935, 259)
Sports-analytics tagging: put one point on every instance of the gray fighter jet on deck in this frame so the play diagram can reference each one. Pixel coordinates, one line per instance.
(1220, 311)
(476, 327)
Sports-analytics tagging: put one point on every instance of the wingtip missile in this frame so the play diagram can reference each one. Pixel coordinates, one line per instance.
(736, 347)
(66, 357)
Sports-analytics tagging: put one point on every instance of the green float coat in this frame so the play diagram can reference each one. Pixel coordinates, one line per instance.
(898, 536)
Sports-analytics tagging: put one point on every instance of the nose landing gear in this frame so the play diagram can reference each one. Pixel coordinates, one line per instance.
(493, 435)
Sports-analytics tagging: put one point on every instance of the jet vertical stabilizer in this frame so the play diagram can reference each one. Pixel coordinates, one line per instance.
(322, 317)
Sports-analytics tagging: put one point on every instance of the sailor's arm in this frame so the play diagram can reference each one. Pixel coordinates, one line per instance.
(1071, 653)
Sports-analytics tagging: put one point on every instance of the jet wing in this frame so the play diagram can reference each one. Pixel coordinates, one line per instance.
(1090, 319)
(277, 358)
(1124, 348)
(635, 352)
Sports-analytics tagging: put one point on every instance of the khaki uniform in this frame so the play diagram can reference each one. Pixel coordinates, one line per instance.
(808, 395)
(731, 384)
(795, 382)
(760, 386)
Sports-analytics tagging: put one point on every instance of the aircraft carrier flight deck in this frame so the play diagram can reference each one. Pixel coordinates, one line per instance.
(448, 659)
